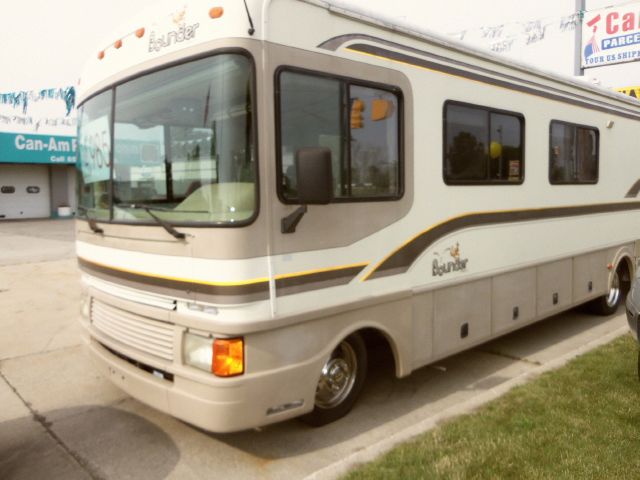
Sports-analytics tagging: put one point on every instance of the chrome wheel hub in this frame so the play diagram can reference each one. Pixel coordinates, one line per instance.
(614, 291)
(337, 378)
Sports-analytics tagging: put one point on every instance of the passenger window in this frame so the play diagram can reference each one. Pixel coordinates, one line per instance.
(360, 124)
(7, 189)
(573, 154)
(482, 146)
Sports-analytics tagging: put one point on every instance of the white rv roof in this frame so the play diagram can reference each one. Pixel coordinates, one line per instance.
(357, 9)
(164, 30)
(174, 25)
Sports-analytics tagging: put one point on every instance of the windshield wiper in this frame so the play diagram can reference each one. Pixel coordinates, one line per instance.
(93, 225)
(163, 223)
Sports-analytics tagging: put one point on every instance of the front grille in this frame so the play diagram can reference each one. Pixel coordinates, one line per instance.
(142, 366)
(150, 336)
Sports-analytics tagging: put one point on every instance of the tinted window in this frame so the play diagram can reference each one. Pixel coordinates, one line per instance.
(7, 189)
(482, 145)
(360, 125)
(573, 154)
(374, 143)
(310, 115)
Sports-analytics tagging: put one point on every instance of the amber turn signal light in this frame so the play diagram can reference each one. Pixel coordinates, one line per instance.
(216, 12)
(228, 357)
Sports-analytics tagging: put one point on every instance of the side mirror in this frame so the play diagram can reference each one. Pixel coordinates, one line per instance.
(314, 181)
(313, 176)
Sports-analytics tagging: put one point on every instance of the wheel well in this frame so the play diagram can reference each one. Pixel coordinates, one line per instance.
(380, 353)
(625, 269)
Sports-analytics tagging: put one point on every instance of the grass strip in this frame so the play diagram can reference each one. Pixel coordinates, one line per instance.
(580, 421)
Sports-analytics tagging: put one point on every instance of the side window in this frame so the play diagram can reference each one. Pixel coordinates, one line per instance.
(374, 147)
(482, 146)
(573, 154)
(360, 124)
(310, 115)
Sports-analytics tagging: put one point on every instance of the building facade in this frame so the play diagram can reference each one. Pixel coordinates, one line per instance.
(37, 153)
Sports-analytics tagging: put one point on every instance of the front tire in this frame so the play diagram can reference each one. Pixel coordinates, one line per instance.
(341, 381)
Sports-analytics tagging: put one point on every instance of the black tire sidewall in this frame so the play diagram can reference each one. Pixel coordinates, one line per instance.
(322, 416)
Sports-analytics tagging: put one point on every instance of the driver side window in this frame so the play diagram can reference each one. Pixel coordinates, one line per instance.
(359, 124)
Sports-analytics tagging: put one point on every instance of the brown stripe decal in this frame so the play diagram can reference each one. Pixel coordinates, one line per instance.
(401, 260)
(184, 286)
(508, 81)
(318, 280)
(229, 294)
(401, 57)
(634, 190)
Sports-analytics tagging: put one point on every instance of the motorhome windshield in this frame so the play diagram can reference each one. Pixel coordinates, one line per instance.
(179, 140)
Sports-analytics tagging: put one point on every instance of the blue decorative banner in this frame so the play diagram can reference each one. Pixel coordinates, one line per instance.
(27, 148)
(24, 98)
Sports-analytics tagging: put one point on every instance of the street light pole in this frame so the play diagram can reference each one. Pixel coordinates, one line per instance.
(578, 70)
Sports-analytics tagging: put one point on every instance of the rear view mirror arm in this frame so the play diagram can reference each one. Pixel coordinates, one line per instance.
(289, 223)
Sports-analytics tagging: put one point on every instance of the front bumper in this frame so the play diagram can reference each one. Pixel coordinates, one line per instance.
(224, 405)
(123, 338)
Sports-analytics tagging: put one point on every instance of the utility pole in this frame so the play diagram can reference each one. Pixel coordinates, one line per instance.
(578, 70)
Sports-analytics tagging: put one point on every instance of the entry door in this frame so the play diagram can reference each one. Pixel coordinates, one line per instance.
(24, 191)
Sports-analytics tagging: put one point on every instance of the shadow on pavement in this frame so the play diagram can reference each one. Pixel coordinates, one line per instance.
(104, 443)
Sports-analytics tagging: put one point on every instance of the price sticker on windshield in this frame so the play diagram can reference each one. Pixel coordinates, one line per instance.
(95, 150)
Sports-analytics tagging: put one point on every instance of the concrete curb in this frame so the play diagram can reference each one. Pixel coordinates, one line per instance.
(376, 450)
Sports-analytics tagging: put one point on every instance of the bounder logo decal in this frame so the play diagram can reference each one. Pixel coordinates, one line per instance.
(177, 32)
(449, 260)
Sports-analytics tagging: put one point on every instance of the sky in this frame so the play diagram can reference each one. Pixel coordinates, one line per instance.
(45, 43)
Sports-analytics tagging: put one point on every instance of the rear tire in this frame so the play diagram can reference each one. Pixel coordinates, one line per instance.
(608, 304)
(341, 381)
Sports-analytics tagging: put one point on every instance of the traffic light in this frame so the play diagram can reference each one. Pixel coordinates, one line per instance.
(357, 117)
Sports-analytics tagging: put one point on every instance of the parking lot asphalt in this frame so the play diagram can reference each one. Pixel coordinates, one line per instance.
(60, 419)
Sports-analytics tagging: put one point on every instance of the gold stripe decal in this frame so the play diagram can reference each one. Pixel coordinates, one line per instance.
(173, 279)
(257, 288)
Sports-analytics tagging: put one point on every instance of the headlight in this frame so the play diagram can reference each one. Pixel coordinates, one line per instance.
(224, 357)
(198, 351)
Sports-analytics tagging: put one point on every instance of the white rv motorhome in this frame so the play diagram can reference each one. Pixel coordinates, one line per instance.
(273, 190)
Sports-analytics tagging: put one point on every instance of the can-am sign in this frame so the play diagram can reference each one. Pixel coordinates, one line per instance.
(611, 35)
(25, 148)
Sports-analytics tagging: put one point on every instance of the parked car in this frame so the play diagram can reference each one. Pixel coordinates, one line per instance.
(633, 311)
(633, 307)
